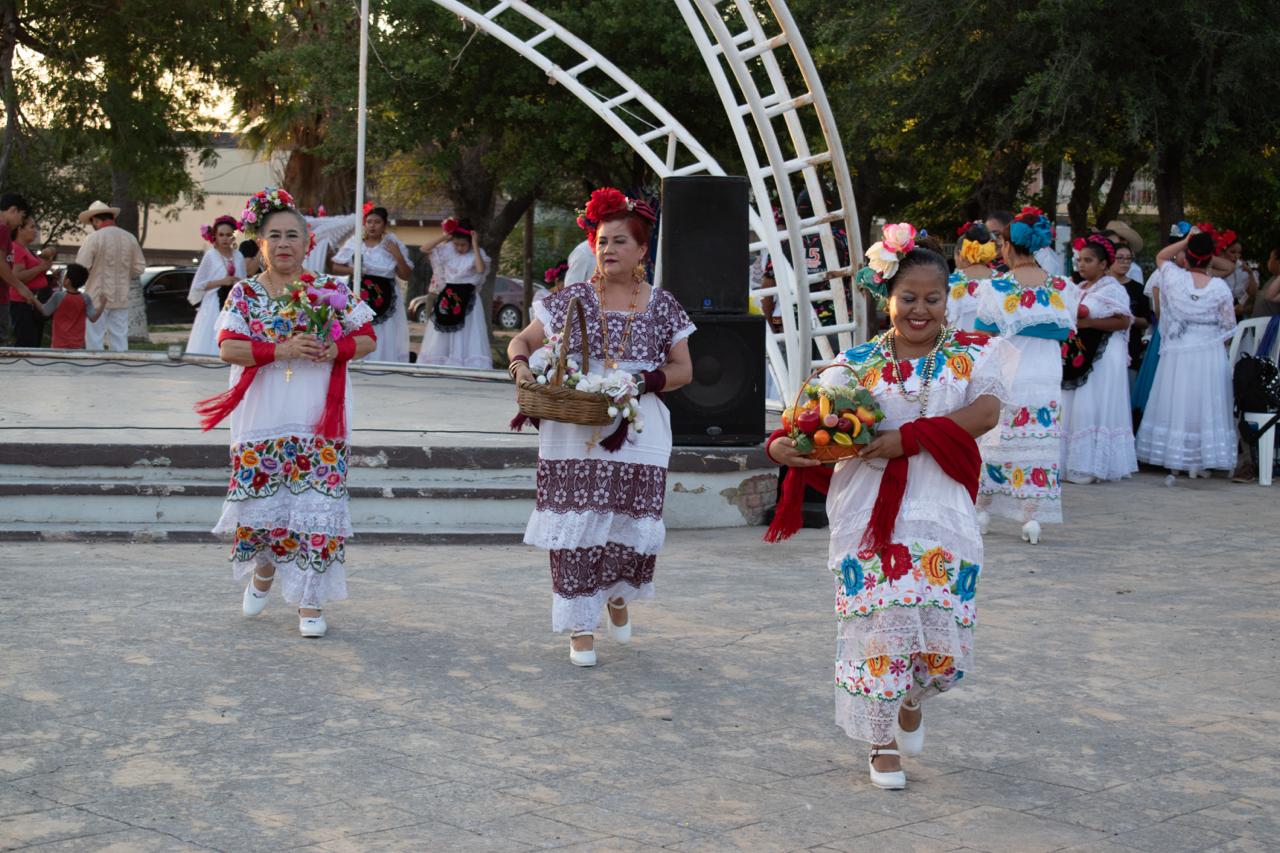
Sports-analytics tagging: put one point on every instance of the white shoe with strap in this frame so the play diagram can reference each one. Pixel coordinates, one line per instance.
(894, 781)
(619, 633)
(256, 599)
(583, 658)
(312, 627)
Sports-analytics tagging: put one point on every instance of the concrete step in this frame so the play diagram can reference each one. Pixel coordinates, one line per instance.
(398, 493)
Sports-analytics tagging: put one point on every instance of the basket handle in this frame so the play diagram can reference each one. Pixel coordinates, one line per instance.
(561, 365)
(817, 372)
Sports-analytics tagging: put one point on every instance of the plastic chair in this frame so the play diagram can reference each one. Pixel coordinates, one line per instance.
(1251, 331)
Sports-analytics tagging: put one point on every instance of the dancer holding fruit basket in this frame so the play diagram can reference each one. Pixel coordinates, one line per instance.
(905, 552)
(288, 335)
(600, 489)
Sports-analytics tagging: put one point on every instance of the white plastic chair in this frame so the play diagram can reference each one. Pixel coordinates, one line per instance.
(1247, 336)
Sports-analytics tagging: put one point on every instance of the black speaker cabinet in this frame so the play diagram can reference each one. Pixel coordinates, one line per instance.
(703, 240)
(725, 402)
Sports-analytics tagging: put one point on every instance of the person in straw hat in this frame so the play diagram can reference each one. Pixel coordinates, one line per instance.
(114, 259)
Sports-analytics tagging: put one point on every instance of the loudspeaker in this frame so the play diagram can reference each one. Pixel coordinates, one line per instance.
(702, 237)
(725, 402)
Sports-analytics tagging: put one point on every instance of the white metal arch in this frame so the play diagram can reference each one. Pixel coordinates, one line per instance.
(788, 352)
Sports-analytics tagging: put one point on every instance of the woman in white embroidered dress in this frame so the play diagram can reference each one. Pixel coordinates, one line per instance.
(1188, 424)
(287, 502)
(905, 606)
(1097, 423)
(975, 252)
(221, 266)
(385, 258)
(1036, 312)
(456, 332)
(599, 512)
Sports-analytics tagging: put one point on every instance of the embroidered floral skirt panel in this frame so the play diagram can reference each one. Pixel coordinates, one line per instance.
(1020, 457)
(905, 617)
(287, 500)
(599, 514)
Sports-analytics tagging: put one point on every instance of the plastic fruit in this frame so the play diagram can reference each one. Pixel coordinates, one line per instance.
(845, 424)
(857, 428)
(830, 421)
(821, 438)
(843, 440)
(808, 421)
(788, 414)
(824, 406)
(865, 415)
(804, 445)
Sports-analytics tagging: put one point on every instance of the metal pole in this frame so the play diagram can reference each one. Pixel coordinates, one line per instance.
(361, 122)
(528, 263)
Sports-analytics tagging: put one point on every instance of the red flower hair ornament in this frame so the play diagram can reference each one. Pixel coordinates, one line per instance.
(606, 202)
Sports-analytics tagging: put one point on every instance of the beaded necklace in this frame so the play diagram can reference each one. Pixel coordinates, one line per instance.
(610, 362)
(930, 360)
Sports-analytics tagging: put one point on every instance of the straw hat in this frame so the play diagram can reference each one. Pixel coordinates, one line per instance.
(1127, 234)
(96, 208)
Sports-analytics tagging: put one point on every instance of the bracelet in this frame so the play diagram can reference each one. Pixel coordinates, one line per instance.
(516, 361)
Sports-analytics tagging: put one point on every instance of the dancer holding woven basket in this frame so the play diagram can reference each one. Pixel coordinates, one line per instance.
(288, 336)
(905, 550)
(600, 489)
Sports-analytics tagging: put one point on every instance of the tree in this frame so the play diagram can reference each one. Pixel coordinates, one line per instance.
(122, 83)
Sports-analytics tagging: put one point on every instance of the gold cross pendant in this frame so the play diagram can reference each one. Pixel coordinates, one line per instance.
(288, 373)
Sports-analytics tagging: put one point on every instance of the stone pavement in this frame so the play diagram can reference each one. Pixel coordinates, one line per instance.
(1125, 699)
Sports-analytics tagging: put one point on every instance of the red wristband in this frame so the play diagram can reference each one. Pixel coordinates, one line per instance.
(263, 353)
(346, 349)
(654, 381)
(523, 358)
(776, 434)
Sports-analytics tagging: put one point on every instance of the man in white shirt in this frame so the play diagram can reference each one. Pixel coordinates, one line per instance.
(114, 259)
(582, 264)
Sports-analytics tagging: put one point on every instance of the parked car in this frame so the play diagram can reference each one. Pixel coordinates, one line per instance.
(165, 290)
(508, 304)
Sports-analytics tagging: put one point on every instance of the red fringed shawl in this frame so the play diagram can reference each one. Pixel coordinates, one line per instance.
(333, 421)
(950, 446)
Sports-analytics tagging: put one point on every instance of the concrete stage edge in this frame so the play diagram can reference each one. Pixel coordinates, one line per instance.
(106, 446)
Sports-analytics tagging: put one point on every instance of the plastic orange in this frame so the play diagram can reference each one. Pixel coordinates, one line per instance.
(821, 438)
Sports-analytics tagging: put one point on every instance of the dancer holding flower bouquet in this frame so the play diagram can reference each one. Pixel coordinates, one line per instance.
(905, 552)
(601, 489)
(288, 335)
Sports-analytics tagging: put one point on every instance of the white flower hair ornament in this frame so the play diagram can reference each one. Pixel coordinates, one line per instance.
(883, 258)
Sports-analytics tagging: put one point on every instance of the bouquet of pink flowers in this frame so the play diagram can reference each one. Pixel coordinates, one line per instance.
(315, 308)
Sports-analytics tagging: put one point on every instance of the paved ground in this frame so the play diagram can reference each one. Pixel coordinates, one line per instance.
(1126, 699)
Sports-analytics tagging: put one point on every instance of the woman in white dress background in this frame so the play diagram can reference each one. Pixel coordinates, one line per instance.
(1188, 424)
(456, 332)
(221, 266)
(385, 260)
(1097, 425)
(976, 250)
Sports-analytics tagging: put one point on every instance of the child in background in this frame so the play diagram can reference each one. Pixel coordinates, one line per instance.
(70, 309)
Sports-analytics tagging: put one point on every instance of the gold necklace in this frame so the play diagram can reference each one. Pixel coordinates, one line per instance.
(610, 362)
(887, 343)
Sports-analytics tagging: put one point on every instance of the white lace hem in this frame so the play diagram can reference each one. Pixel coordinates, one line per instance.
(1104, 454)
(309, 512)
(557, 531)
(874, 721)
(300, 587)
(587, 613)
(1046, 509)
(1186, 451)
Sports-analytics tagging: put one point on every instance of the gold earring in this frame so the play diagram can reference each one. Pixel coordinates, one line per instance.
(639, 272)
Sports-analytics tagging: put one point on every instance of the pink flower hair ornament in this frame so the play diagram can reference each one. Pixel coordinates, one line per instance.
(897, 239)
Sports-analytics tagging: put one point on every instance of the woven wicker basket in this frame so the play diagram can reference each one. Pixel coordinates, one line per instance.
(832, 452)
(553, 401)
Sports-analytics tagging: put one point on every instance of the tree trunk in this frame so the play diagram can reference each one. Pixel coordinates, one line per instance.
(1082, 175)
(1169, 198)
(1120, 183)
(1000, 183)
(866, 195)
(1051, 174)
(528, 264)
(8, 40)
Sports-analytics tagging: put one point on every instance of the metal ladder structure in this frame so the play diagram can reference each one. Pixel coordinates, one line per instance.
(668, 148)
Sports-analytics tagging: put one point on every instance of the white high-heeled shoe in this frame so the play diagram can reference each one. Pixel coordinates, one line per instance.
(584, 658)
(312, 627)
(984, 522)
(1031, 532)
(911, 743)
(895, 781)
(618, 633)
(256, 599)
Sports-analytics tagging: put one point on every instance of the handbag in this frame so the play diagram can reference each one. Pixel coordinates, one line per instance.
(1255, 382)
